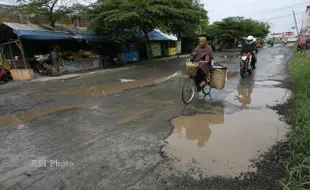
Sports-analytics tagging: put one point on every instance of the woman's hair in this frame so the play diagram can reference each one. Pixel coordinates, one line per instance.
(204, 39)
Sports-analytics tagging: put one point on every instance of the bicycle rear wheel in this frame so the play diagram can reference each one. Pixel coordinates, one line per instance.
(188, 91)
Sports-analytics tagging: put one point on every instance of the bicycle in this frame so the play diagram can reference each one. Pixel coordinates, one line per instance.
(190, 88)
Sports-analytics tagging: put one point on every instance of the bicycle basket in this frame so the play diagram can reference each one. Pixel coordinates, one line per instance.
(191, 68)
(218, 78)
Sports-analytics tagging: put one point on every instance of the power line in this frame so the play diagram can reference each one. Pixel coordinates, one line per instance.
(287, 7)
(277, 17)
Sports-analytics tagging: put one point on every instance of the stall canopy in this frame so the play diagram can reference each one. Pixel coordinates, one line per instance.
(157, 35)
(45, 32)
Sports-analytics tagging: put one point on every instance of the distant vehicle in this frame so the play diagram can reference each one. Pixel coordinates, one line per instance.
(302, 41)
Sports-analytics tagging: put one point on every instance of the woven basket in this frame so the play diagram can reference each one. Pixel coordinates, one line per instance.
(5, 65)
(218, 78)
(191, 68)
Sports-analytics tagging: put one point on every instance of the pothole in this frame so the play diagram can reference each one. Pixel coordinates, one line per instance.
(258, 97)
(220, 144)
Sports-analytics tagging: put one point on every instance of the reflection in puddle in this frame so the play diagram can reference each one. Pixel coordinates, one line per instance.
(209, 146)
(244, 96)
(231, 75)
(257, 97)
(20, 118)
(279, 56)
(108, 88)
(196, 128)
(268, 82)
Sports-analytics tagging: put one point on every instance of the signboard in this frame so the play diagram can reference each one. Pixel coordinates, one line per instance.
(156, 49)
(179, 47)
(172, 51)
(288, 34)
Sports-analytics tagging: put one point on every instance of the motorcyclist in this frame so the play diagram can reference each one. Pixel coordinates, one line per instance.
(250, 46)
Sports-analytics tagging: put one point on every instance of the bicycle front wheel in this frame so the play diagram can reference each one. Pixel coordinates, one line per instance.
(188, 91)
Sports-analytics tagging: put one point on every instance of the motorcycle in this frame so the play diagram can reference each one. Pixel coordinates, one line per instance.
(271, 45)
(42, 65)
(4, 76)
(117, 61)
(245, 64)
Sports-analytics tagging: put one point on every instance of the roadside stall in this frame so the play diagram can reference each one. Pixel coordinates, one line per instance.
(71, 61)
(163, 44)
(48, 50)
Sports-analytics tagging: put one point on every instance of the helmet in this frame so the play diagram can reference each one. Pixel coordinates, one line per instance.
(250, 38)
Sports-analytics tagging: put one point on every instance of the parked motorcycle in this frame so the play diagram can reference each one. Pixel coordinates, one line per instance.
(4, 76)
(42, 65)
(245, 64)
(117, 61)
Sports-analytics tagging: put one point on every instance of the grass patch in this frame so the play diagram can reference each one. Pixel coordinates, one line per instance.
(299, 137)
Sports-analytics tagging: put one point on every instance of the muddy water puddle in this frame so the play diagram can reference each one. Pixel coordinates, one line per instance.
(258, 97)
(20, 118)
(114, 88)
(220, 144)
(268, 82)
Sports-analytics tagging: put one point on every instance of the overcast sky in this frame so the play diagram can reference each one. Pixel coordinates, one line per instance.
(264, 10)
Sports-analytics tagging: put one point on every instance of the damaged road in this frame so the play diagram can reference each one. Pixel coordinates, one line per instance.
(130, 130)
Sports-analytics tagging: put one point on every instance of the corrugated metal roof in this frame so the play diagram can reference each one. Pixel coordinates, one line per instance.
(18, 26)
(46, 32)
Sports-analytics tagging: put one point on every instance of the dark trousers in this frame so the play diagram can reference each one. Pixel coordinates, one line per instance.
(200, 76)
(254, 59)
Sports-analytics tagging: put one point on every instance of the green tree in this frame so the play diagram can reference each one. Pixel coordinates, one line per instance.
(120, 17)
(51, 10)
(185, 17)
(231, 29)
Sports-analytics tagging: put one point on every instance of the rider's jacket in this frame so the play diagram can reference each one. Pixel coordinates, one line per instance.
(249, 47)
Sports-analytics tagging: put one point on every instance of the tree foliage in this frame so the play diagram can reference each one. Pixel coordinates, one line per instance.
(185, 18)
(232, 28)
(119, 17)
(52, 10)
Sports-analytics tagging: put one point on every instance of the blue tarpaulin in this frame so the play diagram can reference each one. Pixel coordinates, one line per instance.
(38, 35)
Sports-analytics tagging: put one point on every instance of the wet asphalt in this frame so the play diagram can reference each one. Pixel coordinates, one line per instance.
(96, 132)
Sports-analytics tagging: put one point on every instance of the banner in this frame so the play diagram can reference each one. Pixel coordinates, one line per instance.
(70, 66)
(179, 47)
(156, 49)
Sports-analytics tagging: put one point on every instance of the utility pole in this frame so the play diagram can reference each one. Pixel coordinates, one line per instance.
(295, 22)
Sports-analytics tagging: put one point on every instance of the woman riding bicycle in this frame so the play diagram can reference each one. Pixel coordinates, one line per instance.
(202, 55)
